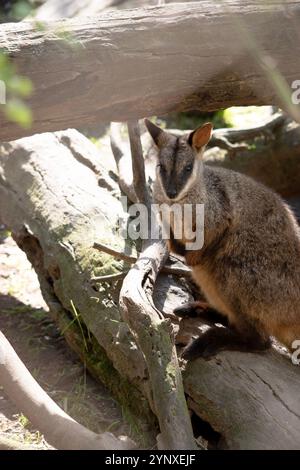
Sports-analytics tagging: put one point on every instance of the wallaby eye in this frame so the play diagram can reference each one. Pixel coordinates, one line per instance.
(162, 167)
(188, 168)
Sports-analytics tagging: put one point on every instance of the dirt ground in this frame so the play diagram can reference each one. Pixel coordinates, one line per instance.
(26, 324)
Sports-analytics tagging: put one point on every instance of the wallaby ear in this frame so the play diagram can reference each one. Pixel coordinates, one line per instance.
(201, 136)
(159, 136)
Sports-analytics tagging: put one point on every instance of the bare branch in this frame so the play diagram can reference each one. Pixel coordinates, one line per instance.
(223, 142)
(152, 331)
(109, 277)
(175, 270)
(237, 135)
(123, 162)
(59, 429)
(117, 254)
(138, 166)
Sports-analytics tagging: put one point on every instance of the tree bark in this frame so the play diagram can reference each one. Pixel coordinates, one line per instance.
(50, 198)
(81, 211)
(130, 64)
(154, 333)
(251, 400)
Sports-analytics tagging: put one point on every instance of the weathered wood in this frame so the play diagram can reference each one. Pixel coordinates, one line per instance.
(251, 400)
(56, 210)
(56, 217)
(129, 64)
(152, 331)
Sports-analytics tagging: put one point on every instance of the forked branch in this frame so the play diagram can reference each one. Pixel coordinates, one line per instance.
(152, 331)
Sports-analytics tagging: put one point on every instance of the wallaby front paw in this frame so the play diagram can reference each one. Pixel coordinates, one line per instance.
(218, 339)
(200, 347)
(201, 310)
(189, 310)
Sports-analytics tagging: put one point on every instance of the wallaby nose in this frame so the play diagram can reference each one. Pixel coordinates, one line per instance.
(172, 193)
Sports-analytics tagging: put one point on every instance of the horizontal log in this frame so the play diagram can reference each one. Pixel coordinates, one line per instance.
(133, 63)
(251, 400)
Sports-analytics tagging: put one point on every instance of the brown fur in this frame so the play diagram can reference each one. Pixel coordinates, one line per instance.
(249, 266)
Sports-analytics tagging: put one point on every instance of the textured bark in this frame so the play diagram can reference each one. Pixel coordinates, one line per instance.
(153, 332)
(133, 63)
(251, 400)
(56, 210)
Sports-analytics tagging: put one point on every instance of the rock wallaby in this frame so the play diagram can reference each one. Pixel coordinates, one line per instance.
(249, 266)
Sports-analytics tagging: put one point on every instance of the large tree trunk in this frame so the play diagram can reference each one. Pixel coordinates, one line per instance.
(49, 196)
(134, 63)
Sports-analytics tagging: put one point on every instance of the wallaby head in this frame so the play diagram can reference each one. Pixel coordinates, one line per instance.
(179, 158)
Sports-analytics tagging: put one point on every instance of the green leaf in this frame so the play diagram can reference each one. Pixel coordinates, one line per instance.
(19, 112)
(21, 9)
(21, 86)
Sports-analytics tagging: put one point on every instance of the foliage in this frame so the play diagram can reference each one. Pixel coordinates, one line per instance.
(18, 88)
(15, 87)
(15, 10)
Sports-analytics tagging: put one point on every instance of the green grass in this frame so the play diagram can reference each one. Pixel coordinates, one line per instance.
(24, 422)
(37, 314)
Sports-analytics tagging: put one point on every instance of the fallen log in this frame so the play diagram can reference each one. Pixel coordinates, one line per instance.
(51, 200)
(134, 63)
(251, 400)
